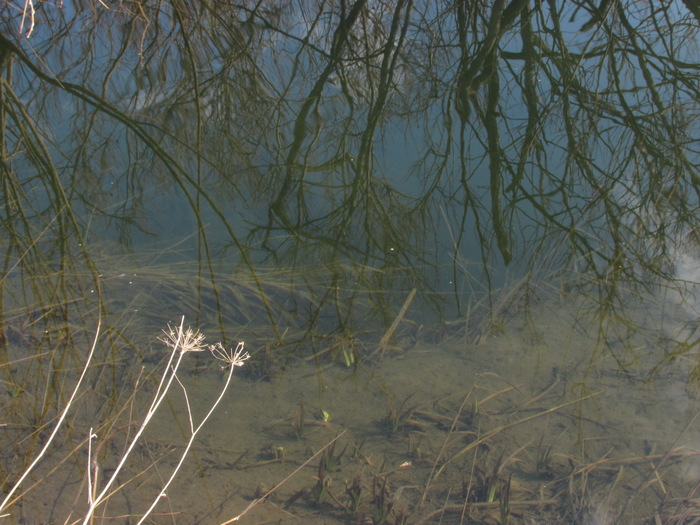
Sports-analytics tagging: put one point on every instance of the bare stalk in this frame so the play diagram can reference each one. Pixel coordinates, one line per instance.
(233, 359)
(181, 342)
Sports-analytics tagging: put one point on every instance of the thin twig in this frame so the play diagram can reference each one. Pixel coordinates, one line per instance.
(384, 341)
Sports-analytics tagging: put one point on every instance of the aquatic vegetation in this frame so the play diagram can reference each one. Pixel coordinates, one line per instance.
(299, 422)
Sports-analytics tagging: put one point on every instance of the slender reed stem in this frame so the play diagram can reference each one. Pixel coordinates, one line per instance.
(236, 359)
(177, 341)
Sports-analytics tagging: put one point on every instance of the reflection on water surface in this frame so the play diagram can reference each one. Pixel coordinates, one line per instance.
(459, 241)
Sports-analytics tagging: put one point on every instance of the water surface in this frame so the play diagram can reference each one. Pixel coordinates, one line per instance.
(459, 242)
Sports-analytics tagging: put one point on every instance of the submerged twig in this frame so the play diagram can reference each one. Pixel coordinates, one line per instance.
(384, 341)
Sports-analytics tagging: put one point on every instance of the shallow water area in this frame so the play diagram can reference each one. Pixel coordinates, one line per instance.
(460, 241)
(528, 409)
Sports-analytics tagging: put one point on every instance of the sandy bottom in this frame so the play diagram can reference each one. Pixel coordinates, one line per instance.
(553, 418)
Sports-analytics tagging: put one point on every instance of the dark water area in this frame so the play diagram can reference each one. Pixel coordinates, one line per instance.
(460, 241)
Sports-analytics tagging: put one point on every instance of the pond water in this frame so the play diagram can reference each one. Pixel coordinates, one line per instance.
(460, 243)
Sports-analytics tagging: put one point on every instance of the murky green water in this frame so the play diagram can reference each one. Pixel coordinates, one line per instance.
(460, 243)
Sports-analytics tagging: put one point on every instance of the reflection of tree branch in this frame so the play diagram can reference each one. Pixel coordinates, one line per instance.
(203, 243)
(494, 142)
(476, 70)
(678, 155)
(180, 176)
(566, 122)
(599, 13)
(301, 129)
(530, 139)
(694, 7)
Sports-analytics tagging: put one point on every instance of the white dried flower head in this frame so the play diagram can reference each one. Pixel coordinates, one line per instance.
(186, 341)
(230, 357)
